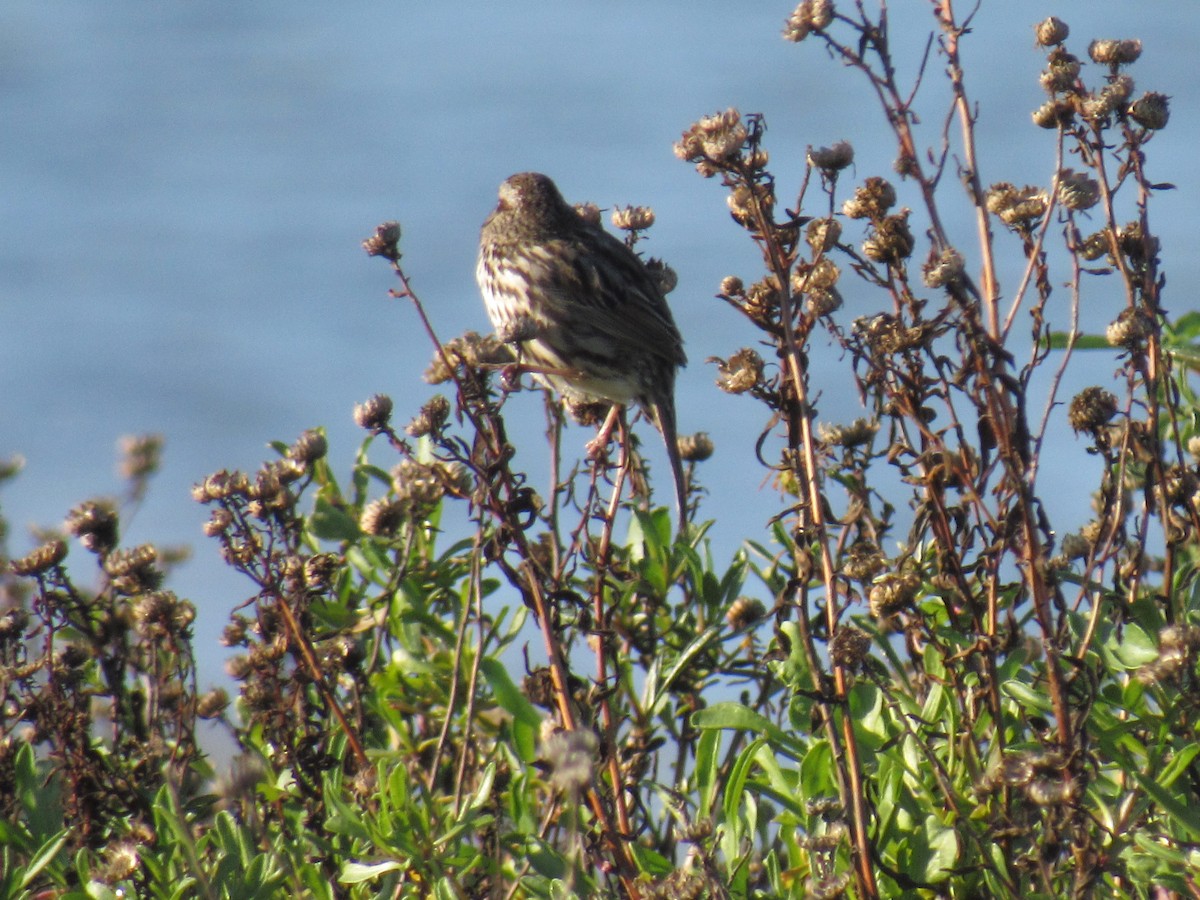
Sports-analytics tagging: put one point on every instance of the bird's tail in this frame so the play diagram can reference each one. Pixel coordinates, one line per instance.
(662, 413)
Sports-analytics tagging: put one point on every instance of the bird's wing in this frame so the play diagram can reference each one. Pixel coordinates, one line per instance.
(607, 287)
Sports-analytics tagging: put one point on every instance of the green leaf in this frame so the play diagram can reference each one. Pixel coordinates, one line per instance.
(357, 873)
(507, 694)
(332, 523)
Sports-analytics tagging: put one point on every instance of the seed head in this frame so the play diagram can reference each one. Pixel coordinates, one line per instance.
(1076, 191)
(809, 16)
(892, 241)
(857, 433)
(849, 647)
(1115, 53)
(1051, 31)
(221, 486)
(40, 560)
(713, 139)
(382, 517)
(892, 592)
(309, 447)
(831, 160)
(1130, 329)
(744, 612)
(1018, 208)
(212, 704)
(1091, 409)
(95, 524)
(1094, 246)
(632, 218)
(1053, 114)
(141, 455)
(375, 414)
(864, 560)
(740, 373)
(823, 302)
(732, 286)
(695, 447)
(384, 241)
(134, 570)
(432, 417)
(571, 756)
(822, 235)
(942, 269)
(1112, 98)
(471, 350)
(1062, 72)
(871, 201)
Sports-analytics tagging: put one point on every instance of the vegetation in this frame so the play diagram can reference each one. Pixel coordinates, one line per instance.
(909, 684)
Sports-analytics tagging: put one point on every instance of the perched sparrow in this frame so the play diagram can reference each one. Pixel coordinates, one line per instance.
(581, 307)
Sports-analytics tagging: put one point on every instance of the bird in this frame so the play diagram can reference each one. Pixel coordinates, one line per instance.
(582, 309)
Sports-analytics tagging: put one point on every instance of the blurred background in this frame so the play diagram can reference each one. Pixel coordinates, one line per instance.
(184, 189)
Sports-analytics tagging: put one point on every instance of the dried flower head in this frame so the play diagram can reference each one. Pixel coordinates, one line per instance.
(375, 414)
(1054, 114)
(744, 612)
(1151, 110)
(1115, 53)
(822, 302)
(740, 373)
(1091, 409)
(571, 756)
(831, 160)
(1076, 191)
(95, 524)
(762, 300)
(119, 861)
(863, 561)
(695, 447)
(1062, 72)
(809, 16)
(849, 646)
(1051, 31)
(211, 704)
(1018, 208)
(1130, 329)
(871, 201)
(860, 431)
(942, 269)
(822, 235)
(134, 570)
(418, 486)
(821, 275)
(1135, 243)
(141, 455)
(713, 139)
(41, 559)
(432, 417)
(384, 241)
(221, 486)
(1095, 246)
(632, 218)
(1112, 98)
(471, 350)
(892, 240)
(382, 517)
(893, 592)
(309, 447)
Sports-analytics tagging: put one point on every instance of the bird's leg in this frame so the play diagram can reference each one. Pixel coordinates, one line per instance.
(597, 446)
